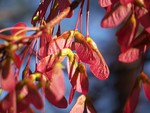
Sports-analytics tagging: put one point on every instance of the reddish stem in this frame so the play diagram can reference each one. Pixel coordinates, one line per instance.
(79, 16)
(143, 59)
(19, 28)
(14, 101)
(43, 98)
(87, 17)
(3, 36)
(81, 23)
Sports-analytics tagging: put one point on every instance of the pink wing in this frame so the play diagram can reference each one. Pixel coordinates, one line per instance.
(116, 16)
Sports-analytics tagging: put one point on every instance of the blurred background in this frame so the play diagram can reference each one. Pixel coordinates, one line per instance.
(108, 96)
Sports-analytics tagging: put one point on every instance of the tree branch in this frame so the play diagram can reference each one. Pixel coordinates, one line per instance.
(62, 15)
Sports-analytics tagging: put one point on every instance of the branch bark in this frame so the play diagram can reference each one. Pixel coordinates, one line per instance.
(62, 15)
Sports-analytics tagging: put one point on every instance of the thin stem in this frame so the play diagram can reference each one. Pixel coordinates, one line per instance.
(24, 30)
(81, 22)
(19, 28)
(34, 36)
(143, 58)
(87, 18)
(4, 36)
(37, 48)
(53, 2)
(14, 101)
(77, 23)
(79, 15)
(28, 49)
(43, 98)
